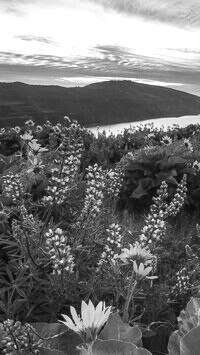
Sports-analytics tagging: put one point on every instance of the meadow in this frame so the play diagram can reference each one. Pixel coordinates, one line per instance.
(107, 227)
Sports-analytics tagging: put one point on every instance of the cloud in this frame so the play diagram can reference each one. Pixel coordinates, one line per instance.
(104, 61)
(183, 13)
(110, 60)
(12, 9)
(28, 38)
(107, 61)
(19, 8)
(178, 12)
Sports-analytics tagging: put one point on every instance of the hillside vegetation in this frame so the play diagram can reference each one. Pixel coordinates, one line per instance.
(96, 104)
(108, 225)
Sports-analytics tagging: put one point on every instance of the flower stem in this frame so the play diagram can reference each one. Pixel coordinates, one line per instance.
(89, 348)
(131, 289)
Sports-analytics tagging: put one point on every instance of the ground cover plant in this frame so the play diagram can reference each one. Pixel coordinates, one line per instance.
(101, 234)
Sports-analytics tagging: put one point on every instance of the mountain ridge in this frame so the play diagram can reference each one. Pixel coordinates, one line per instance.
(107, 102)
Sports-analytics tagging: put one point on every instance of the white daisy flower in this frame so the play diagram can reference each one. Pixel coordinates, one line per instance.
(136, 253)
(141, 271)
(91, 321)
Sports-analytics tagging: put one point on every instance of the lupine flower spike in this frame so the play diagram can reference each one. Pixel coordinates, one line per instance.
(91, 321)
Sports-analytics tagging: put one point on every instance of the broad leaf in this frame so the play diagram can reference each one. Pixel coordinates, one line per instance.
(114, 347)
(116, 329)
(142, 188)
(65, 342)
(177, 160)
(190, 343)
(168, 163)
(188, 318)
(45, 351)
(174, 343)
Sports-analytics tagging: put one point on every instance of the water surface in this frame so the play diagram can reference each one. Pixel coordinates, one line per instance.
(158, 122)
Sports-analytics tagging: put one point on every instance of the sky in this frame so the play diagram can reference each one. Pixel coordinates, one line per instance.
(78, 42)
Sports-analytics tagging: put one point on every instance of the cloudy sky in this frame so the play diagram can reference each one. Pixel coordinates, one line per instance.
(76, 42)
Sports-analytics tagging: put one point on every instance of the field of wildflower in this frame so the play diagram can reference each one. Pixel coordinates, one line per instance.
(99, 240)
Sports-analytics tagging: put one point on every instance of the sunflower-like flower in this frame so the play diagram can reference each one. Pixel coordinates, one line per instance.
(136, 253)
(166, 140)
(39, 128)
(57, 129)
(30, 123)
(188, 144)
(27, 136)
(196, 165)
(36, 147)
(17, 129)
(91, 321)
(141, 271)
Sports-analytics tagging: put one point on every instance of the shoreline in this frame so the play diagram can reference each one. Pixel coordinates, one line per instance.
(182, 121)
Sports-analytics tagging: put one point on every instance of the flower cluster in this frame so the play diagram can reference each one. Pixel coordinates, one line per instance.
(71, 149)
(19, 339)
(67, 164)
(114, 179)
(196, 166)
(155, 225)
(160, 210)
(94, 194)
(13, 186)
(113, 244)
(188, 145)
(59, 251)
(182, 283)
(62, 178)
(178, 200)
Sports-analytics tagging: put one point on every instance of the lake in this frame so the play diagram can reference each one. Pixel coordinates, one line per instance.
(158, 122)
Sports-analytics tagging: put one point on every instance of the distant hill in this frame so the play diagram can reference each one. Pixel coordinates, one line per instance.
(95, 104)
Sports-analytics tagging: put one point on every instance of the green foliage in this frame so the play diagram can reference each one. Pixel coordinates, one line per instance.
(147, 168)
(118, 330)
(116, 338)
(114, 347)
(62, 229)
(185, 340)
